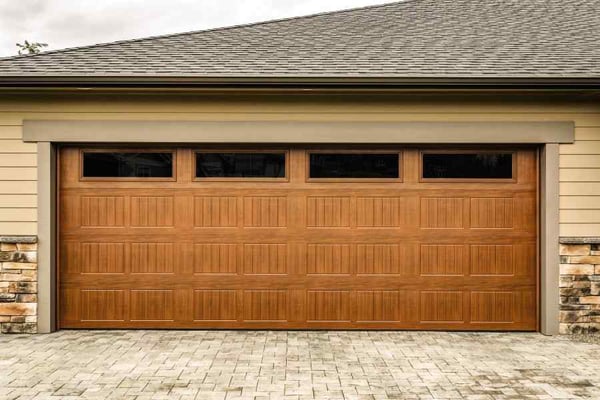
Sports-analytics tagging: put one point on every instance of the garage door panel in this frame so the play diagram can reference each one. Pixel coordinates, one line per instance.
(265, 305)
(152, 305)
(103, 305)
(299, 253)
(265, 211)
(386, 259)
(380, 212)
(154, 257)
(152, 211)
(215, 305)
(442, 306)
(443, 212)
(444, 260)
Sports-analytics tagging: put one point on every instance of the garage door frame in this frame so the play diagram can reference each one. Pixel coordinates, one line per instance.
(479, 133)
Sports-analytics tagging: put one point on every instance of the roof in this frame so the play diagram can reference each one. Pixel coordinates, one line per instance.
(409, 39)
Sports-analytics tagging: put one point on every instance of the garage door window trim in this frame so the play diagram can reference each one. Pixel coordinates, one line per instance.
(512, 153)
(172, 178)
(310, 178)
(284, 178)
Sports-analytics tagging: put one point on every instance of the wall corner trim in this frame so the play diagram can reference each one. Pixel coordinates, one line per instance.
(46, 237)
(549, 240)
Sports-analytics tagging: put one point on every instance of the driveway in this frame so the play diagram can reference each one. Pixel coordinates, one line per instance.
(296, 365)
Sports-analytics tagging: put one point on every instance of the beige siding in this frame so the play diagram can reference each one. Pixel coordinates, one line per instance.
(18, 177)
(579, 163)
(580, 183)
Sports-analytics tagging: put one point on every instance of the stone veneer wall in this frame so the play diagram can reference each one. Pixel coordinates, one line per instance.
(18, 284)
(580, 285)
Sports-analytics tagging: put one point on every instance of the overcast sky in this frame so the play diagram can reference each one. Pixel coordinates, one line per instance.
(68, 23)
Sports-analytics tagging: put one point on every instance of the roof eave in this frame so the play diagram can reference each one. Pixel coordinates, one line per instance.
(563, 83)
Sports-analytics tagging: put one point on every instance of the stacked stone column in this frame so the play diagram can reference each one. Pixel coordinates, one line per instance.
(18, 285)
(579, 287)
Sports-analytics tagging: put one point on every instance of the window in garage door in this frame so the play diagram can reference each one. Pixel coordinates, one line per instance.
(246, 238)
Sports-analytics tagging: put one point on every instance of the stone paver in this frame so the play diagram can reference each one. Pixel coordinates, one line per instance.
(185, 365)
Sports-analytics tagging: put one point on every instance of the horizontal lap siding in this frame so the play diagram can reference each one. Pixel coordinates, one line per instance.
(580, 183)
(18, 181)
(579, 163)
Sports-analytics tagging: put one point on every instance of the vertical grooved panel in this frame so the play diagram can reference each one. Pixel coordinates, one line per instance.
(328, 305)
(265, 305)
(443, 259)
(152, 258)
(382, 212)
(151, 305)
(152, 211)
(492, 212)
(442, 213)
(492, 260)
(102, 211)
(323, 212)
(102, 305)
(441, 306)
(215, 305)
(329, 259)
(377, 305)
(269, 259)
(492, 306)
(215, 258)
(215, 211)
(102, 258)
(265, 212)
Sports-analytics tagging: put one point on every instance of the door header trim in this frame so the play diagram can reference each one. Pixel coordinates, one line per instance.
(94, 131)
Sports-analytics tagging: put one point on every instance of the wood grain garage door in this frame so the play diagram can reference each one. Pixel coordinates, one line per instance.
(422, 250)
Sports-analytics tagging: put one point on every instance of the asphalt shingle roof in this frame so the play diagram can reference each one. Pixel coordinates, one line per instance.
(412, 38)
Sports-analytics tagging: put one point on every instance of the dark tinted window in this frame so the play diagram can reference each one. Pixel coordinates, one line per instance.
(335, 165)
(242, 165)
(468, 165)
(127, 165)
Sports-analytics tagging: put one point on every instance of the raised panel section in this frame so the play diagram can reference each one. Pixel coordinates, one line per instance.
(265, 305)
(152, 211)
(265, 212)
(215, 211)
(329, 259)
(102, 211)
(441, 306)
(265, 259)
(328, 305)
(492, 307)
(151, 305)
(152, 258)
(391, 259)
(102, 305)
(328, 212)
(386, 212)
(215, 305)
(444, 259)
(492, 213)
(492, 260)
(442, 213)
(377, 306)
(102, 258)
(215, 258)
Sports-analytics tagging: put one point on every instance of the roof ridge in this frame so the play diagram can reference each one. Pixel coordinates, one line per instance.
(223, 28)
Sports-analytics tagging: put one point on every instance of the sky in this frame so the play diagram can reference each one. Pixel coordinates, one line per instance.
(69, 23)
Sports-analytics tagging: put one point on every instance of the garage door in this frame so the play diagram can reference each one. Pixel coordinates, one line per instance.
(300, 237)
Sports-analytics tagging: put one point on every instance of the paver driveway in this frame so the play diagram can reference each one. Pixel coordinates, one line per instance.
(296, 365)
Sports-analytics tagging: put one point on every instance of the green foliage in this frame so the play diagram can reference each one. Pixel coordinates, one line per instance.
(30, 47)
